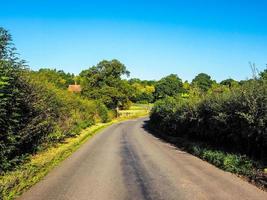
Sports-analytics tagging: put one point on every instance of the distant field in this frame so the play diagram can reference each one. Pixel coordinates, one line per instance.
(136, 106)
(136, 110)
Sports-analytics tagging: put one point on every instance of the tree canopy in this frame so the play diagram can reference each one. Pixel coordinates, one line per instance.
(263, 74)
(202, 81)
(104, 82)
(6, 48)
(57, 77)
(170, 85)
(229, 82)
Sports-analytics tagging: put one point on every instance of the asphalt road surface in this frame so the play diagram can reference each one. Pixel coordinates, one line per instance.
(126, 162)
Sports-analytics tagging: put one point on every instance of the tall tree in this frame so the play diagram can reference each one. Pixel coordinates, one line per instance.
(16, 101)
(104, 82)
(263, 74)
(57, 77)
(229, 82)
(6, 48)
(168, 86)
(202, 81)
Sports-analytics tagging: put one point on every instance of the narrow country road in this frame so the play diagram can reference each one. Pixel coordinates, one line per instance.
(126, 162)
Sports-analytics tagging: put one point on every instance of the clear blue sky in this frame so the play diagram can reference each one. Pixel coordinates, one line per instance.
(152, 38)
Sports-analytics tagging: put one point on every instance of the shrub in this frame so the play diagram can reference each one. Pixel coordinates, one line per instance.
(214, 157)
(35, 114)
(234, 119)
(103, 112)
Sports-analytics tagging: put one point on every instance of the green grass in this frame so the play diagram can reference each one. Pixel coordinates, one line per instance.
(136, 106)
(136, 110)
(234, 163)
(14, 183)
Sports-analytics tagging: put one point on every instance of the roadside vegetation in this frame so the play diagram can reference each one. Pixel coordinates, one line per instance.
(37, 110)
(224, 124)
(41, 122)
(14, 182)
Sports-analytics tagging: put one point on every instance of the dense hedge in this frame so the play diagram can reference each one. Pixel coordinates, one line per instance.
(35, 113)
(234, 120)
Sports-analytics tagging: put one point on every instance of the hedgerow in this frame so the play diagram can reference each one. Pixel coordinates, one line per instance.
(234, 120)
(35, 114)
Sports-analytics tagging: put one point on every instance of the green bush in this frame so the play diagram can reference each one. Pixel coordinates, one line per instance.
(214, 157)
(230, 162)
(234, 119)
(238, 164)
(36, 113)
(103, 112)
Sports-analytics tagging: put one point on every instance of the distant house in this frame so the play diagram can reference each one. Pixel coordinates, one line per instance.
(74, 88)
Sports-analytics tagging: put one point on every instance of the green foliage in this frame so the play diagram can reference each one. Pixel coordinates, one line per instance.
(263, 75)
(214, 157)
(142, 82)
(6, 46)
(38, 114)
(234, 119)
(238, 164)
(103, 112)
(229, 162)
(14, 183)
(202, 81)
(19, 116)
(57, 77)
(168, 86)
(143, 92)
(229, 82)
(103, 82)
(34, 111)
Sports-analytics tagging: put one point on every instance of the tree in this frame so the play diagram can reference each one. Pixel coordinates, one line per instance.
(229, 82)
(135, 80)
(104, 82)
(35, 111)
(16, 102)
(202, 81)
(105, 73)
(143, 93)
(6, 48)
(9, 81)
(186, 86)
(168, 86)
(143, 90)
(263, 74)
(57, 77)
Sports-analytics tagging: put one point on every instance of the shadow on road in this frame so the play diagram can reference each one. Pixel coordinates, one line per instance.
(183, 145)
(178, 143)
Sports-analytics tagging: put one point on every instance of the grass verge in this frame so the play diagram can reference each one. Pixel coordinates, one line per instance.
(14, 183)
